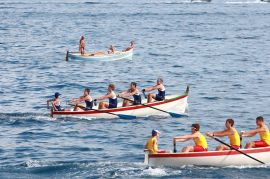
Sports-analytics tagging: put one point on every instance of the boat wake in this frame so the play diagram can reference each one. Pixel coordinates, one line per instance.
(38, 117)
(159, 172)
(249, 166)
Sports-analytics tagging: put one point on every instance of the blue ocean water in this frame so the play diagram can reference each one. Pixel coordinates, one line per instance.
(221, 49)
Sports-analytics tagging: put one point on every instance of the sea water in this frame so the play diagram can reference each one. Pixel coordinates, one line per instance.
(221, 49)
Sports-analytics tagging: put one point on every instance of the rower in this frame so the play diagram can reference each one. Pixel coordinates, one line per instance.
(161, 91)
(131, 46)
(262, 130)
(111, 50)
(152, 144)
(230, 132)
(82, 46)
(56, 103)
(199, 140)
(86, 98)
(111, 96)
(134, 92)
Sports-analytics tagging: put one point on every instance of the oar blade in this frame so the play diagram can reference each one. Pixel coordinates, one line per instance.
(124, 116)
(176, 115)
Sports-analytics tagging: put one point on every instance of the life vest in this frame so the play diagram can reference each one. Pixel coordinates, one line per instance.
(235, 138)
(201, 141)
(150, 145)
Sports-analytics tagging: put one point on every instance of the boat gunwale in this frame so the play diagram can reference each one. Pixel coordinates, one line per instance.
(128, 108)
(210, 153)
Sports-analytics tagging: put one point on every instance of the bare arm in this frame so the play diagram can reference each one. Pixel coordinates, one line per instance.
(152, 88)
(253, 132)
(128, 93)
(223, 133)
(105, 96)
(48, 102)
(78, 100)
(185, 138)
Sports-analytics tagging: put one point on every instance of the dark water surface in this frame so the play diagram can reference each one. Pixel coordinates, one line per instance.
(221, 49)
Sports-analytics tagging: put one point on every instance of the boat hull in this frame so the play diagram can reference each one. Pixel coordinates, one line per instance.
(210, 158)
(176, 104)
(102, 57)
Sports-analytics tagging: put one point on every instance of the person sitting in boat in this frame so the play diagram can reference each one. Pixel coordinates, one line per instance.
(131, 46)
(199, 140)
(134, 92)
(111, 50)
(152, 144)
(262, 130)
(82, 46)
(161, 91)
(86, 98)
(56, 103)
(111, 96)
(231, 132)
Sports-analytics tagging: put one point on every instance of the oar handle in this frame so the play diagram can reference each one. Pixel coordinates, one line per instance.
(174, 147)
(144, 95)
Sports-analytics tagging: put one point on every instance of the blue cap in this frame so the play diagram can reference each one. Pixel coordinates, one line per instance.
(56, 95)
(155, 132)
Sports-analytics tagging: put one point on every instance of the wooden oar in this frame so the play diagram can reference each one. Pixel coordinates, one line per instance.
(171, 113)
(121, 116)
(237, 150)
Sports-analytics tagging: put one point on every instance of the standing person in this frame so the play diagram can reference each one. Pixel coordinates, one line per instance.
(160, 96)
(111, 96)
(262, 130)
(86, 98)
(56, 103)
(82, 46)
(199, 140)
(152, 143)
(230, 132)
(131, 46)
(111, 50)
(134, 92)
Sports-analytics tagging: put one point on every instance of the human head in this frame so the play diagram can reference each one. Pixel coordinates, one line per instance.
(111, 87)
(229, 123)
(86, 91)
(82, 37)
(159, 81)
(133, 85)
(132, 43)
(259, 120)
(155, 132)
(195, 127)
(56, 95)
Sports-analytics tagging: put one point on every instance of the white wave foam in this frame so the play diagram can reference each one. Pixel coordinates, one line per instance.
(158, 172)
(44, 118)
(249, 166)
(34, 163)
(84, 118)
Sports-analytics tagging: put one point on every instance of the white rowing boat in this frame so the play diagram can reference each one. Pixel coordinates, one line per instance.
(172, 104)
(209, 158)
(100, 56)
